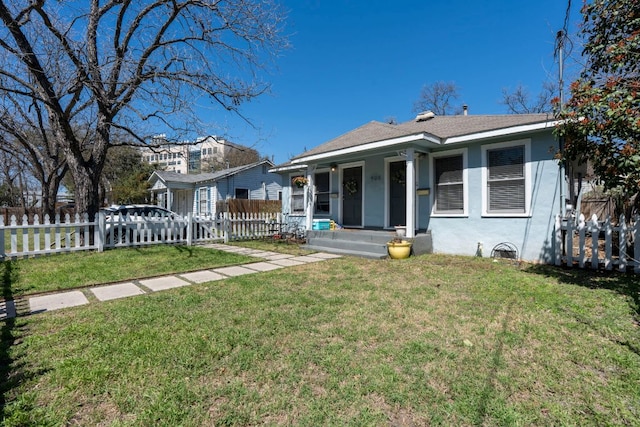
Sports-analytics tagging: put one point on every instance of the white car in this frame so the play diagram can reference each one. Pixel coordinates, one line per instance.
(142, 222)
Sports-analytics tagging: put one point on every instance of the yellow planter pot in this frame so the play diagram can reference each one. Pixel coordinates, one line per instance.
(399, 250)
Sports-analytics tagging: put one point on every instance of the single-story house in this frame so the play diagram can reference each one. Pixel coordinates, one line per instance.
(470, 181)
(198, 193)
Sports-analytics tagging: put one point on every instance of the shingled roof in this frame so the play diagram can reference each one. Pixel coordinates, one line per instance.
(438, 129)
(170, 176)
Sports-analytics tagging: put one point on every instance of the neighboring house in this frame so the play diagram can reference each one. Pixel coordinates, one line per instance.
(198, 193)
(471, 181)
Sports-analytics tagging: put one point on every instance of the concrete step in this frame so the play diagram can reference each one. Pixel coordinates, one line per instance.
(327, 244)
(363, 242)
(348, 252)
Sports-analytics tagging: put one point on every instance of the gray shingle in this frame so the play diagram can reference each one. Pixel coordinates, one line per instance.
(440, 127)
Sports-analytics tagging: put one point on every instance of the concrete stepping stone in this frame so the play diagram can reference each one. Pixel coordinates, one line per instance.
(233, 271)
(120, 290)
(57, 301)
(162, 283)
(287, 262)
(202, 276)
(263, 266)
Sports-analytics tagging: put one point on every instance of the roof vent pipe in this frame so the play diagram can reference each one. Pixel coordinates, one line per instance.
(465, 109)
(425, 115)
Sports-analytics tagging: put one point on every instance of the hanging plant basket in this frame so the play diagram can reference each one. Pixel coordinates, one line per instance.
(299, 181)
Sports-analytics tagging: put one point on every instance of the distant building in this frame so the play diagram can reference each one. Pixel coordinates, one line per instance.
(188, 157)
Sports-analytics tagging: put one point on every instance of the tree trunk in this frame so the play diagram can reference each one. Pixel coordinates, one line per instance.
(87, 196)
(49, 197)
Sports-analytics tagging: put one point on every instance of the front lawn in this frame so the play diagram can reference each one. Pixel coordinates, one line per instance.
(78, 269)
(431, 340)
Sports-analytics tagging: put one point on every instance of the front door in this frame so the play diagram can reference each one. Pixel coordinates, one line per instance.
(397, 193)
(352, 196)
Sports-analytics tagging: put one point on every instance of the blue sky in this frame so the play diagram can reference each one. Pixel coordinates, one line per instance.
(355, 61)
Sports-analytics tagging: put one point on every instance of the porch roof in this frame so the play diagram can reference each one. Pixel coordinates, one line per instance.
(437, 131)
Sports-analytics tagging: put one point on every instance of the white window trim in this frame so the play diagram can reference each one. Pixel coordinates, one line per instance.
(527, 179)
(304, 195)
(465, 182)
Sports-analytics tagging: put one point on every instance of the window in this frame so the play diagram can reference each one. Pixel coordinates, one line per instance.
(297, 197)
(450, 183)
(204, 201)
(506, 179)
(322, 195)
(242, 193)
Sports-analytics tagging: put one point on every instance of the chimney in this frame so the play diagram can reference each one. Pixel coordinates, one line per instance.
(465, 109)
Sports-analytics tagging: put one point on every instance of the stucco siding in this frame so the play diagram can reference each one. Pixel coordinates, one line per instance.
(531, 234)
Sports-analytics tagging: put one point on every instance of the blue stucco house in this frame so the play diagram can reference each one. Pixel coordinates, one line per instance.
(199, 193)
(470, 181)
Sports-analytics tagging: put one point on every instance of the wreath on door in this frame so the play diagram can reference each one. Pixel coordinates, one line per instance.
(399, 176)
(351, 186)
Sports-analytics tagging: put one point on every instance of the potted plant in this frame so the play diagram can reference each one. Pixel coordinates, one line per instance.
(398, 248)
(299, 181)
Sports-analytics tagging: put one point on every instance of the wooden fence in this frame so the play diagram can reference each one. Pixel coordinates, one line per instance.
(246, 206)
(598, 244)
(21, 239)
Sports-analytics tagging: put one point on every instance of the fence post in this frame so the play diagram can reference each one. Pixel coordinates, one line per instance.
(569, 242)
(227, 226)
(99, 231)
(36, 233)
(25, 233)
(581, 241)
(595, 228)
(608, 265)
(622, 242)
(189, 229)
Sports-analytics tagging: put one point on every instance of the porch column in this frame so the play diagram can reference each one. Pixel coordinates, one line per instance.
(168, 199)
(411, 193)
(310, 200)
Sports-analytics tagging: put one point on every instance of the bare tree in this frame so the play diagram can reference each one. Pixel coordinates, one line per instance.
(438, 97)
(82, 71)
(35, 152)
(520, 101)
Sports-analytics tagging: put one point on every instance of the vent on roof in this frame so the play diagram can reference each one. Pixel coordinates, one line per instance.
(425, 115)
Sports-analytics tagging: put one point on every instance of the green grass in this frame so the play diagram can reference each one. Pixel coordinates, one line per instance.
(68, 271)
(432, 340)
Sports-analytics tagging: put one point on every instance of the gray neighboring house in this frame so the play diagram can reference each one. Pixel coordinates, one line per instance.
(198, 193)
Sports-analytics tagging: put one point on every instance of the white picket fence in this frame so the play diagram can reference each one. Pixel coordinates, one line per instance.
(598, 244)
(23, 239)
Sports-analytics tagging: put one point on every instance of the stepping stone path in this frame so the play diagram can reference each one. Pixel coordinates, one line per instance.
(54, 301)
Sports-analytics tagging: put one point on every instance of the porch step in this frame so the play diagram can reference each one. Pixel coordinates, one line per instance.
(337, 251)
(363, 243)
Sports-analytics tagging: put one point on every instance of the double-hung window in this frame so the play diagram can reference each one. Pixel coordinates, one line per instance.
(203, 202)
(449, 178)
(506, 178)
